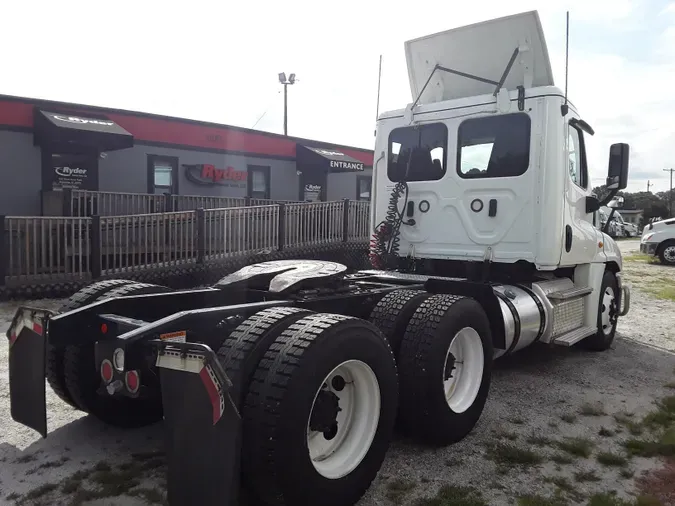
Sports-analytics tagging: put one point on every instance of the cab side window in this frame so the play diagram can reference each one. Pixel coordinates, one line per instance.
(576, 157)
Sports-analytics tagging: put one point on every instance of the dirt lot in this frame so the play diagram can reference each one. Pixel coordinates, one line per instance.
(561, 427)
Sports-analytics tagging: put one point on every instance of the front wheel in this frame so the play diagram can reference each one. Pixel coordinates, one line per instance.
(319, 413)
(667, 253)
(608, 315)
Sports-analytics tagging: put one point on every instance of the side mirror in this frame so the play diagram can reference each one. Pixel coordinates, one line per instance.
(617, 174)
(592, 204)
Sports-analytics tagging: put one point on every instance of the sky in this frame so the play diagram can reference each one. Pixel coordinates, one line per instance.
(219, 61)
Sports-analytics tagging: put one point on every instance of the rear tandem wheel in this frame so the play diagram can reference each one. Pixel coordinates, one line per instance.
(55, 356)
(319, 413)
(83, 379)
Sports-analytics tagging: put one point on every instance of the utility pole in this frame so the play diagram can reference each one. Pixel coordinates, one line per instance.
(670, 193)
(648, 185)
(291, 80)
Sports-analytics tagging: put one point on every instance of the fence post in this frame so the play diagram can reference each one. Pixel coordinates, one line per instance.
(4, 257)
(95, 261)
(201, 235)
(282, 225)
(68, 202)
(345, 221)
(247, 201)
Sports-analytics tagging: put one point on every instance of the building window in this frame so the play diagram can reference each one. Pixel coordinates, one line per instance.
(417, 153)
(162, 174)
(258, 182)
(494, 146)
(363, 187)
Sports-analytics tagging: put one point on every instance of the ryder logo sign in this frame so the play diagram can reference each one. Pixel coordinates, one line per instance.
(209, 175)
(70, 171)
(82, 121)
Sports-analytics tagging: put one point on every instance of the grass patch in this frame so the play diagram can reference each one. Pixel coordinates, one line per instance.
(538, 500)
(663, 291)
(540, 440)
(561, 458)
(578, 446)
(48, 465)
(39, 492)
(586, 476)
(641, 257)
(450, 495)
(588, 409)
(24, 459)
(568, 418)
(626, 420)
(664, 415)
(13, 496)
(627, 473)
(507, 453)
(517, 421)
(610, 499)
(605, 432)
(670, 385)
(553, 424)
(151, 495)
(398, 489)
(505, 434)
(612, 459)
(74, 482)
(564, 485)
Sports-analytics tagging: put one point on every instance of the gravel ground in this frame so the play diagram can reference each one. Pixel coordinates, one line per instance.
(539, 398)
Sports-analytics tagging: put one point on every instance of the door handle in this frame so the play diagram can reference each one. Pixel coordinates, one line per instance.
(410, 210)
(568, 238)
(492, 209)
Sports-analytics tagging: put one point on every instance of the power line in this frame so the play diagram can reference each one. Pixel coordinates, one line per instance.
(266, 109)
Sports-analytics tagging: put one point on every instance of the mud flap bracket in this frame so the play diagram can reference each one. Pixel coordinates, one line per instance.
(203, 426)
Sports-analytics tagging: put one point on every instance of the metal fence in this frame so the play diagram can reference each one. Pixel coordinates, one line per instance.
(49, 249)
(84, 203)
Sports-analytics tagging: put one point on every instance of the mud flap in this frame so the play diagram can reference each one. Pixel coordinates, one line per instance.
(203, 426)
(27, 349)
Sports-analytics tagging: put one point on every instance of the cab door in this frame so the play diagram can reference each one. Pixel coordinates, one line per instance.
(580, 236)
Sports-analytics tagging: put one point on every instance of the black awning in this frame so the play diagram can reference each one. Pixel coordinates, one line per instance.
(63, 129)
(326, 159)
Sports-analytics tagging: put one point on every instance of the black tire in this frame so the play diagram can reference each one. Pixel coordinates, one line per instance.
(83, 379)
(243, 349)
(424, 412)
(276, 465)
(666, 246)
(603, 340)
(54, 359)
(393, 312)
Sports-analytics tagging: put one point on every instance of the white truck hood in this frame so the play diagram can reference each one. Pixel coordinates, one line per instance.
(481, 49)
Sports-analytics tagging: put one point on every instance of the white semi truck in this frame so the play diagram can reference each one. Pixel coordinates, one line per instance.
(289, 376)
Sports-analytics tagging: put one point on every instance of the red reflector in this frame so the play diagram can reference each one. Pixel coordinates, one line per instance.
(132, 380)
(107, 371)
(104, 328)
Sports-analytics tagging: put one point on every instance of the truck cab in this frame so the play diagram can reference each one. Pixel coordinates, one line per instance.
(491, 155)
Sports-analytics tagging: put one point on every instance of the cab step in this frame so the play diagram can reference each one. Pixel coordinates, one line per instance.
(570, 293)
(574, 336)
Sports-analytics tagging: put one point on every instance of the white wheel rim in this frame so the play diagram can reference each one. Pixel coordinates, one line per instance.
(608, 302)
(669, 253)
(462, 383)
(357, 421)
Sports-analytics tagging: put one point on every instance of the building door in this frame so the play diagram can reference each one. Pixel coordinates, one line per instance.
(312, 186)
(162, 174)
(69, 171)
(258, 182)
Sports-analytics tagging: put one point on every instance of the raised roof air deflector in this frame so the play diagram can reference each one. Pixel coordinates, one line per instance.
(482, 50)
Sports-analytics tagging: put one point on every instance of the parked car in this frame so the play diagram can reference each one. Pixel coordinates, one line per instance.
(658, 239)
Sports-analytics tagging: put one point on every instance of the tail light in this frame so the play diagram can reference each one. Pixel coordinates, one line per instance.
(132, 381)
(106, 371)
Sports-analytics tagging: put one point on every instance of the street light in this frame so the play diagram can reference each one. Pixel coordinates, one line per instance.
(286, 82)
